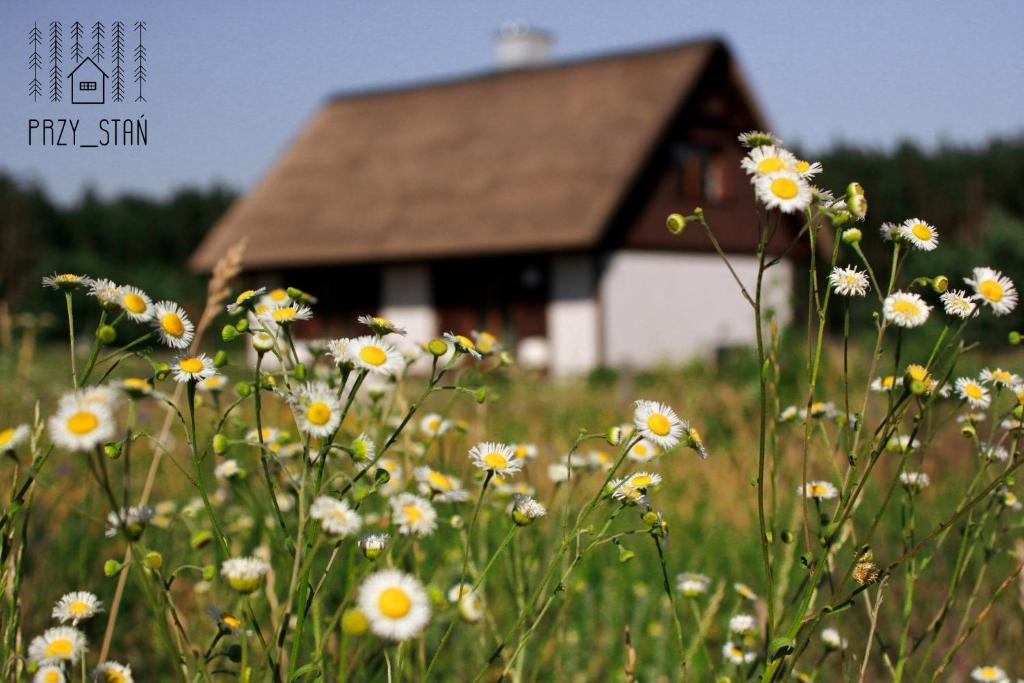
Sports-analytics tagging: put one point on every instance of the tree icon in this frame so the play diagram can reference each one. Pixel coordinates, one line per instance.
(98, 34)
(140, 60)
(77, 51)
(56, 57)
(35, 62)
(117, 56)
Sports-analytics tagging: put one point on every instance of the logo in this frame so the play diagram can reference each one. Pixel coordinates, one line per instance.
(104, 64)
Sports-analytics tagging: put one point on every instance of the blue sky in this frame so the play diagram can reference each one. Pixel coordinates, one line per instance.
(231, 82)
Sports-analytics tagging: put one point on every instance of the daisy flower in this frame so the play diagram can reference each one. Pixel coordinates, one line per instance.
(885, 384)
(743, 624)
(172, 325)
(993, 452)
(906, 309)
(914, 481)
(888, 231)
(831, 639)
(849, 281)
(338, 350)
(919, 234)
(286, 315)
(525, 451)
(275, 297)
(413, 515)
(957, 304)
(788, 414)
(336, 517)
(112, 672)
(658, 423)
(193, 368)
(819, 490)
(766, 160)
(317, 409)
(433, 424)
(973, 392)
(755, 138)
(526, 509)
(785, 191)
(902, 444)
(66, 282)
(495, 457)
(49, 673)
(76, 607)
(439, 486)
(806, 169)
(395, 604)
(215, 382)
(989, 673)
(373, 544)
(244, 574)
(245, 301)
(745, 591)
(993, 288)
(999, 377)
(737, 654)
(11, 437)
(558, 472)
(133, 520)
(691, 584)
(375, 355)
(642, 451)
(462, 344)
(106, 292)
(57, 645)
(80, 425)
(486, 343)
(1009, 499)
(380, 326)
(266, 435)
(227, 469)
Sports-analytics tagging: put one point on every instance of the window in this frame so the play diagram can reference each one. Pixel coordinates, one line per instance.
(698, 171)
(87, 85)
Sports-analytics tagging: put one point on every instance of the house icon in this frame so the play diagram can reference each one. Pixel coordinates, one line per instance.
(88, 83)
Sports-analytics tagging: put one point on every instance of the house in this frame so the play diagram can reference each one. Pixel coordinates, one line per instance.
(88, 83)
(529, 201)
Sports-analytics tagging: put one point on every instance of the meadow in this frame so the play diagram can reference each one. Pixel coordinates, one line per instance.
(194, 496)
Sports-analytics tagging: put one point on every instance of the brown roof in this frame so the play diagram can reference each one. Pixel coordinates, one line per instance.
(534, 159)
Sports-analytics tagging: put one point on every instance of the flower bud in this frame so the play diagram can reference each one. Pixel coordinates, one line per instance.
(852, 235)
(858, 206)
(675, 223)
(242, 325)
(940, 284)
(854, 189)
(968, 431)
(1014, 337)
(112, 450)
(154, 559)
(625, 555)
(613, 436)
(111, 567)
(296, 294)
(220, 359)
(220, 444)
(650, 518)
(201, 539)
(106, 334)
(300, 372)
(209, 572)
(438, 347)
(161, 370)
(481, 395)
(262, 342)
(918, 387)
(841, 218)
(229, 333)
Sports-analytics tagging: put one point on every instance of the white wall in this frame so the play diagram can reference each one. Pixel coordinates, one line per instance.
(672, 306)
(573, 319)
(405, 298)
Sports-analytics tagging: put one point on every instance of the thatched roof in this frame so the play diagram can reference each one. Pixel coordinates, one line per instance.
(529, 160)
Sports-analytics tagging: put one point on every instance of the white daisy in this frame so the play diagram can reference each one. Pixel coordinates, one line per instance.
(999, 377)
(691, 584)
(433, 424)
(737, 654)
(286, 315)
(807, 169)
(486, 343)
(244, 574)
(439, 486)
(12, 437)
(66, 281)
(906, 309)
(275, 298)
(832, 640)
(558, 472)
(317, 409)
(463, 344)
(819, 490)
(112, 672)
(886, 383)
(395, 604)
(132, 520)
(526, 509)
(76, 607)
(188, 368)
(135, 303)
(849, 281)
(957, 304)
(745, 591)
(919, 234)
(914, 481)
(57, 645)
(106, 292)
(989, 673)
(172, 325)
(766, 160)
(993, 288)
(888, 231)
(993, 452)
(227, 469)
(215, 382)
(380, 326)
(80, 425)
(643, 451)
(336, 517)
(270, 435)
(755, 138)
(743, 624)
(413, 515)
(49, 673)
(973, 391)
(373, 544)
(245, 301)
(375, 355)
(658, 422)
(785, 191)
(494, 457)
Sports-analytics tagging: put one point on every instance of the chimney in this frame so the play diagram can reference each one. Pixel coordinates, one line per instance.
(518, 45)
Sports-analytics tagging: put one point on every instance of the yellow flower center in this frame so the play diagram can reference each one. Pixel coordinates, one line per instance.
(279, 294)
(244, 295)
(191, 365)
(61, 648)
(82, 422)
(318, 413)
(906, 308)
(770, 165)
(888, 381)
(521, 451)
(784, 188)
(973, 391)
(78, 608)
(439, 481)
(172, 325)
(695, 435)
(640, 481)
(1002, 375)
(659, 424)
(917, 372)
(134, 303)
(434, 424)
(412, 513)
(394, 603)
(466, 342)
(114, 677)
(802, 166)
(921, 231)
(6, 435)
(284, 314)
(817, 490)
(640, 449)
(495, 460)
(374, 355)
(383, 322)
(52, 677)
(989, 672)
(991, 290)
(137, 383)
(230, 621)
